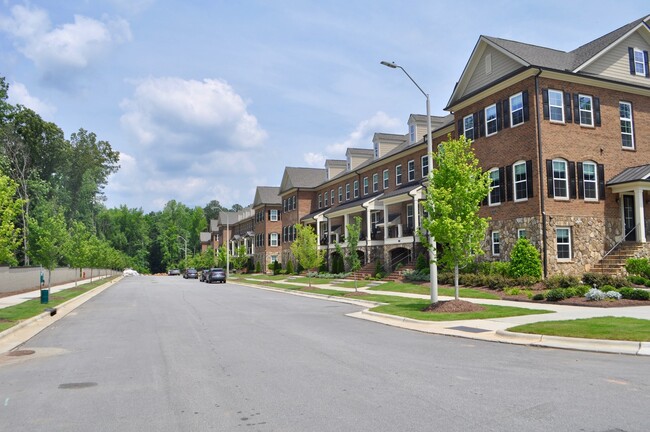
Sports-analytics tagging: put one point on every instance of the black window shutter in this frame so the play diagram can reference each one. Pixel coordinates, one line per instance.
(475, 133)
(269, 239)
(545, 104)
(506, 113)
(460, 128)
(645, 61)
(597, 111)
(499, 116)
(549, 178)
(524, 99)
(572, 180)
(529, 178)
(509, 182)
(481, 123)
(581, 181)
(485, 201)
(576, 108)
(630, 52)
(502, 188)
(567, 107)
(601, 181)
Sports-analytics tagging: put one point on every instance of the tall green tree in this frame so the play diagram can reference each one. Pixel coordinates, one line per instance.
(239, 258)
(305, 249)
(10, 209)
(76, 247)
(452, 204)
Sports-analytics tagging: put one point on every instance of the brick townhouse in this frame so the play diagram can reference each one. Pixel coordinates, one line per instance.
(267, 208)
(564, 136)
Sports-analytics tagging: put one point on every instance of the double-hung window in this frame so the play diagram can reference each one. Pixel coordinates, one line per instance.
(468, 127)
(398, 175)
(560, 179)
(516, 109)
(590, 181)
(273, 216)
(356, 188)
(365, 186)
(386, 178)
(556, 105)
(375, 182)
(340, 194)
(327, 201)
(332, 196)
(521, 181)
(410, 216)
(586, 105)
(563, 241)
(496, 243)
(639, 62)
(410, 170)
(491, 120)
(425, 166)
(274, 239)
(320, 200)
(627, 127)
(347, 191)
(495, 187)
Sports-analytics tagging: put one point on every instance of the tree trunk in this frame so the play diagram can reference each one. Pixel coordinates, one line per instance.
(456, 290)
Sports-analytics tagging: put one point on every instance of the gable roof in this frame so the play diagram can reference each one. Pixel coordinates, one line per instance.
(528, 56)
(302, 178)
(267, 195)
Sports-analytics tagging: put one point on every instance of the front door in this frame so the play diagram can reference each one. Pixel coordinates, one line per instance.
(628, 217)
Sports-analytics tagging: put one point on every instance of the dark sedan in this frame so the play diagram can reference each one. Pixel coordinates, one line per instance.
(190, 274)
(217, 275)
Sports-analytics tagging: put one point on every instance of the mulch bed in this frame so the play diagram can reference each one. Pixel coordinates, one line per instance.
(454, 306)
(578, 301)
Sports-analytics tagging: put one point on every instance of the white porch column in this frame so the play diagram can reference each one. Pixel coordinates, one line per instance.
(329, 231)
(368, 225)
(385, 222)
(639, 215)
(416, 212)
(346, 221)
(318, 229)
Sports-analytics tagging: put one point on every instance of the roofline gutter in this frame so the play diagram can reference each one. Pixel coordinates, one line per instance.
(541, 173)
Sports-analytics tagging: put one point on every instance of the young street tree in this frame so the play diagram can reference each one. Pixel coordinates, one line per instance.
(352, 258)
(47, 241)
(453, 198)
(305, 249)
(10, 208)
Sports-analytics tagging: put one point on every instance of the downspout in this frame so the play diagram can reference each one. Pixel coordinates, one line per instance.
(541, 174)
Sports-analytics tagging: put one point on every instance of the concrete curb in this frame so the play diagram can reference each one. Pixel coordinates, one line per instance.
(596, 345)
(25, 330)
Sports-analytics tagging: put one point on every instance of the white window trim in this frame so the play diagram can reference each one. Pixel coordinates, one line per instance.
(273, 216)
(347, 191)
(274, 239)
(493, 243)
(594, 181)
(326, 201)
(412, 132)
(566, 180)
(514, 181)
(468, 117)
(375, 182)
(631, 120)
(366, 186)
(490, 203)
(425, 163)
(320, 201)
(591, 111)
(557, 249)
(332, 197)
(521, 95)
(398, 177)
(355, 188)
(340, 194)
(412, 215)
(386, 178)
(641, 63)
(496, 119)
(561, 106)
(521, 233)
(410, 173)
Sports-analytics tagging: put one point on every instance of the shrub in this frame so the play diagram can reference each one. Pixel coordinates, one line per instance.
(600, 280)
(494, 268)
(379, 269)
(416, 276)
(525, 260)
(538, 296)
(556, 294)
(421, 263)
(571, 292)
(639, 294)
(525, 280)
(289, 267)
(497, 282)
(595, 294)
(638, 280)
(613, 295)
(638, 267)
(445, 278)
(258, 267)
(512, 291)
(581, 290)
(561, 281)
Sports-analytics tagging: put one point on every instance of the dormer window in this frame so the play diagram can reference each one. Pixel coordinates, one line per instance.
(376, 148)
(411, 134)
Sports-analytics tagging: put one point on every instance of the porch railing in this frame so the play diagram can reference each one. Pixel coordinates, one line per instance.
(622, 241)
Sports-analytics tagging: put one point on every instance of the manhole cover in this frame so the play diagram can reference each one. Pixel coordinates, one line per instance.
(468, 329)
(78, 385)
(19, 353)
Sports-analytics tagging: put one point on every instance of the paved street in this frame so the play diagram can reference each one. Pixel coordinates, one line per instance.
(168, 354)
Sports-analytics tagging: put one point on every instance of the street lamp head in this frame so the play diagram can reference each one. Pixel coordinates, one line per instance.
(391, 65)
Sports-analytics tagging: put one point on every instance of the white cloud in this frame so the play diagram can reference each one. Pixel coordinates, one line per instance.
(66, 49)
(315, 159)
(362, 135)
(18, 94)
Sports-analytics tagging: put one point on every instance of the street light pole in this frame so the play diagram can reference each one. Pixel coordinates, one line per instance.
(185, 240)
(433, 266)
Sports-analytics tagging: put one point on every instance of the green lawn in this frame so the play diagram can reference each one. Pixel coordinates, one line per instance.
(612, 328)
(350, 284)
(305, 280)
(12, 315)
(425, 289)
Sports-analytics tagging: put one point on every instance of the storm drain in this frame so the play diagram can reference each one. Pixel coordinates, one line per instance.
(468, 329)
(19, 353)
(79, 385)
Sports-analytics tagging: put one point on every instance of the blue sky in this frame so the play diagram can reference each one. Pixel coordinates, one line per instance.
(209, 99)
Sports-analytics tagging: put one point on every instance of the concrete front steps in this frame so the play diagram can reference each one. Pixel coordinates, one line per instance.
(614, 263)
(369, 271)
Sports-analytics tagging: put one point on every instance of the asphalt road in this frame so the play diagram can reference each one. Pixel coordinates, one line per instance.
(168, 354)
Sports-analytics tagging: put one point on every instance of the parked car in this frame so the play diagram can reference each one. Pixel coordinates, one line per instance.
(174, 272)
(190, 273)
(203, 277)
(217, 275)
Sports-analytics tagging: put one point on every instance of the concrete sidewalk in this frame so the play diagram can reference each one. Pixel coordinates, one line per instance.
(495, 329)
(36, 294)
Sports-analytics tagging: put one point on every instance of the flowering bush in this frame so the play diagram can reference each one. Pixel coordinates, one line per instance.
(595, 294)
(614, 295)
